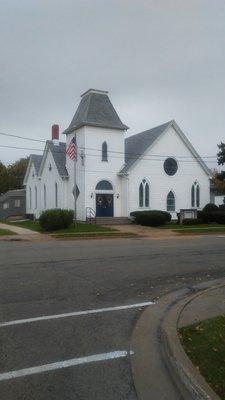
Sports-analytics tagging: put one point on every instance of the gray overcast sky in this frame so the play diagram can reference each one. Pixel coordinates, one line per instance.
(159, 60)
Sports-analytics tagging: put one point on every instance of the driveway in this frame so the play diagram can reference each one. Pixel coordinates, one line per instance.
(68, 310)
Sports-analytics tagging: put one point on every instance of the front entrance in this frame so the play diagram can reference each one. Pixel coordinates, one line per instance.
(104, 205)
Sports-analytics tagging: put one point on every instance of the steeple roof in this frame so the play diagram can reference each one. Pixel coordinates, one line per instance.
(96, 109)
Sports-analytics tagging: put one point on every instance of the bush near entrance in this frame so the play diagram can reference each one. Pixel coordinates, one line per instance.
(151, 218)
(56, 219)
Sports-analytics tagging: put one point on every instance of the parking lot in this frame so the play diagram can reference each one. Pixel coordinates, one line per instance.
(53, 356)
(67, 314)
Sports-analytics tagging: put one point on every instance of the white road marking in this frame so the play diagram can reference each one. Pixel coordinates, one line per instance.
(63, 364)
(75, 314)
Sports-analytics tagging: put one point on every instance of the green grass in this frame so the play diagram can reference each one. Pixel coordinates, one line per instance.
(35, 226)
(87, 235)
(174, 225)
(205, 345)
(4, 232)
(201, 230)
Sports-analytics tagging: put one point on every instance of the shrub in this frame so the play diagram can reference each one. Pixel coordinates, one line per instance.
(222, 207)
(219, 217)
(207, 214)
(151, 218)
(210, 207)
(53, 220)
(191, 221)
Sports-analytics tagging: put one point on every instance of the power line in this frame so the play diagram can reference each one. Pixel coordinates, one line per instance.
(99, 150)
(144, 158)
(22, 137)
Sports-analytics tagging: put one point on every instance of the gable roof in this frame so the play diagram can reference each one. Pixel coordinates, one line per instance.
(136, 145)
(12, 193)
(58, 151)
(96, 109)
(36, 159)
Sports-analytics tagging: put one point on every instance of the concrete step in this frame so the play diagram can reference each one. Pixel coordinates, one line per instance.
(112, 220)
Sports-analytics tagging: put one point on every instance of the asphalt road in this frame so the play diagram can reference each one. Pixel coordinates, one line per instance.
(44, 279)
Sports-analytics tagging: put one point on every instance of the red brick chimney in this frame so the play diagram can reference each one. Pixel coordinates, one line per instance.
(55, 132)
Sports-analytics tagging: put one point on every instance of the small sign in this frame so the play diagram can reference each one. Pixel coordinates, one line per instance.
(77, 192)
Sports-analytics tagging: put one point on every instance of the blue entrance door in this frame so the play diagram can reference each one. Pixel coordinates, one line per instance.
(104, 205)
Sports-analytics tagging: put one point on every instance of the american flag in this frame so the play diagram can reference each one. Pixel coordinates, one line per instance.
(71, 150)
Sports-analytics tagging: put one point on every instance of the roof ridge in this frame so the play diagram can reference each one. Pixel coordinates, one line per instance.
(150, 129)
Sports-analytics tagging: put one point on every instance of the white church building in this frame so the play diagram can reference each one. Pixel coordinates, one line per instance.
(157, 169)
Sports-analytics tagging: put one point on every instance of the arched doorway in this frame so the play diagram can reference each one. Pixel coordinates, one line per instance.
(104, 199)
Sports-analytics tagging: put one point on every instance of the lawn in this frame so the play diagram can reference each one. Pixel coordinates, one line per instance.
(205, 345)
(200, 229)
(34, 225)
(4, 232)
(174, 225)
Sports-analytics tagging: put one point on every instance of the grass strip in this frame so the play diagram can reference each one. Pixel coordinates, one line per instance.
(204, 343)
(80, 227)
(6, 232)
(197, 231)
(79, 235)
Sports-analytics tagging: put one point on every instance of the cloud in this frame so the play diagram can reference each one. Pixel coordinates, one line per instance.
(159, 60)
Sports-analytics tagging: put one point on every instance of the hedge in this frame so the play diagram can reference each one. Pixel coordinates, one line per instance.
(56, 219)
(151, 218)
(191, 221)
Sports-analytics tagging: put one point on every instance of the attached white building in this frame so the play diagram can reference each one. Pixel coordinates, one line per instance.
(153, 170)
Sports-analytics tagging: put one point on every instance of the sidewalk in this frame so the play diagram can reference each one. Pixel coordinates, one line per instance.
(161, 368)
(22, 234)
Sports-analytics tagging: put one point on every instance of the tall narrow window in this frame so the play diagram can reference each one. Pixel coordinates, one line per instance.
(56, 195)
(30, 193)
(144, 194)
(35, 196)
(147, 195)
(193, 196)
(170, 201)
(45, 197)
(141, 195)
(104, 151)
(197, 196)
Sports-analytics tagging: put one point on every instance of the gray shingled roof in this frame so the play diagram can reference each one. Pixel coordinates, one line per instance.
(95, 109)
(12, 193)
(36, 158)
(136, 145)
(59, 154)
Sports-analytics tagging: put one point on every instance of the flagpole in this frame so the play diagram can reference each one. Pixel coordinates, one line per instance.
(75, 189)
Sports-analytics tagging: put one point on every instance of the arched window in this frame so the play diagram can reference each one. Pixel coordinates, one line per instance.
(147, 195)
(144, 194)
(104, 152)
(56, 194)
(170, 201)
(197, 196)
(30, 195)
(104, 185)
(45, 197)
(193, 196)
(35, 196)
(141, 195)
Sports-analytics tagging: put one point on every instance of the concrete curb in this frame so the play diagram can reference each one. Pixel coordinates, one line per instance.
(187, 378)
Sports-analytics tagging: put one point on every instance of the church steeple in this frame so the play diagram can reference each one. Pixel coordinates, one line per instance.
(96, 109)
